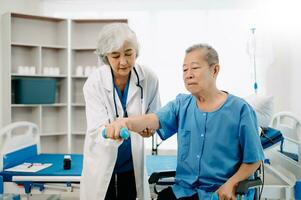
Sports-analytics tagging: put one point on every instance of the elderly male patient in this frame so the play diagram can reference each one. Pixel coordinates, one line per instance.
(218, 141)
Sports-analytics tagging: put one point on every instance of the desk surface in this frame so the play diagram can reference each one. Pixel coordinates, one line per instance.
(56, 169)
(153, 163)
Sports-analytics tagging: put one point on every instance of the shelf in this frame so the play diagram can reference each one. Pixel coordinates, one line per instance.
(37, 17)
(99, 21)
(54, 46)
(39, 30)
(54, 58)
(53, 134)
(77, 91)
(38, 45)
(78, 141)
(78, 119)
(79, 133)
(24, 56)
(24, 105)
(31, 114)
(54, 119)
(24, 44)
(84, 48)
(36, 105)
(54, 144)
(78, 104)
(85, 32)
(39, 75)
(84, 59)
(54, 105)
(80, 77)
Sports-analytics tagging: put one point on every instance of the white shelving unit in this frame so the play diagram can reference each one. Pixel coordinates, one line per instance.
(37, 42)
(84, 34)
(47, 42)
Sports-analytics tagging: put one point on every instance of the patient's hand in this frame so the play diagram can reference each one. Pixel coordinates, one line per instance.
(227, 191)
(147, 132)
(113, 129)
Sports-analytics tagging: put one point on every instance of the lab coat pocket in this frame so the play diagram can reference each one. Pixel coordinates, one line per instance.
(184, 144)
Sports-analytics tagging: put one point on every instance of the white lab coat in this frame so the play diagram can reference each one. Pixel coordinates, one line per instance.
(100, 154)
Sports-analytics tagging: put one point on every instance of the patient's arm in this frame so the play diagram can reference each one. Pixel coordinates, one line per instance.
(137, 124)
(227, 191)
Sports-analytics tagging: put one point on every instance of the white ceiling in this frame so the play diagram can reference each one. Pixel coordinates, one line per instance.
(162, 4)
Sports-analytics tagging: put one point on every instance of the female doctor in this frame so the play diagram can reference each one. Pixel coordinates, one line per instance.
(119, 88)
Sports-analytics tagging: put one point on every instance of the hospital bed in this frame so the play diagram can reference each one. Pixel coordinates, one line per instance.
(19, 143)
(283, 167)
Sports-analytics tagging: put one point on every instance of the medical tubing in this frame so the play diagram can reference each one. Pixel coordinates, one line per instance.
(114, 88)
(138, 83)
(123, 133)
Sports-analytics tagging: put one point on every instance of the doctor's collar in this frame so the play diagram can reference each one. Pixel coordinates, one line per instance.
(106, 71)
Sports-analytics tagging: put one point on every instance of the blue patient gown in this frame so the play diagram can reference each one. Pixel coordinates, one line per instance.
(211, 145)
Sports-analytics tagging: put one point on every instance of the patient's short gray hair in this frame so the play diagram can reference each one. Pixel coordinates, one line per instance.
(210, 54)
(112, 37)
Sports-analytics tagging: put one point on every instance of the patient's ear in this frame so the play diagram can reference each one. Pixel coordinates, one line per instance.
(263, 106)
(215, 70)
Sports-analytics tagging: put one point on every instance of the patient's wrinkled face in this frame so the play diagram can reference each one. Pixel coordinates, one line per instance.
(197, 75)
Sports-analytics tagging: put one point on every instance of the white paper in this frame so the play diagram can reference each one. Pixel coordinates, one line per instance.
(29, 167)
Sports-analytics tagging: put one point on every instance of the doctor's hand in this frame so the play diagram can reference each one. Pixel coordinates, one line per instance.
(113, 129)
(227, 191)
(147, 132)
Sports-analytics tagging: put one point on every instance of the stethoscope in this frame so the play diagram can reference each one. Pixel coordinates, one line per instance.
(114, 98)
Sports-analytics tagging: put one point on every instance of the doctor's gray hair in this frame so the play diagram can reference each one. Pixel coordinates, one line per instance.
(112, 37)
(210, 53)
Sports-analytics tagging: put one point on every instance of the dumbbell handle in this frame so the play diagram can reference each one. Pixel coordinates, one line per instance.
(123, 133)
(214, 196)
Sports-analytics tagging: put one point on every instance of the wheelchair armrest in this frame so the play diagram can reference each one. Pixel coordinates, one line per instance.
(156, 176)
(243, 186)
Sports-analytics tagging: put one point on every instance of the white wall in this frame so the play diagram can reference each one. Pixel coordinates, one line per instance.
(166, 28)
(22, 6)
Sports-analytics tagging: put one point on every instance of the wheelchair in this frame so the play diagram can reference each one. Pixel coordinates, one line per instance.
(269, 137)
(164, 179)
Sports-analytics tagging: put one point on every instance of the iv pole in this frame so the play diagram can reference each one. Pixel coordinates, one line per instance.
(254, 58)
